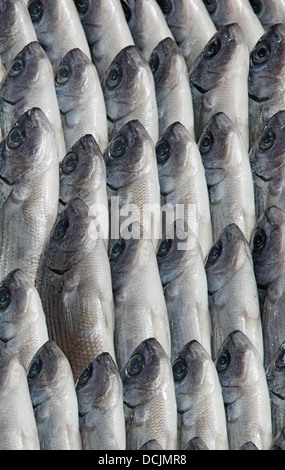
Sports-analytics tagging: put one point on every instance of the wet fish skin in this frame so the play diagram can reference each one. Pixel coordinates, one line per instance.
(152, 444)
(196, 443)
(275, 375)
(269, 12)
(54, 400)
(149, 397)
(279, 441)
(100, 405)
(199, 398)
(248, 446)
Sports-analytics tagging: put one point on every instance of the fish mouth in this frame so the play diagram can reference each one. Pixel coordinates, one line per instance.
(63, 203)
(11, 103)
(59, 272)
(199, 88)
(258, 100)
(5, 180)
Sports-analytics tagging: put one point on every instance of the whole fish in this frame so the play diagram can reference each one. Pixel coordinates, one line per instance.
(269, 12)
(106, 30)
(172, 88)
(28, 83)
(275, 375)
(236, 11)
(267, 165)
(268, 258)
(228, 175)
(245, 392)
(58, 28)
(22, 324)
(149, 397)
(18, 429)
(74, 283)
(219, 80)
(190, 25)
(279, 442)
(183, 183)
(129, 92)
(80, 99)
(54, 399)
(140, 307)
(100, 405)
(181, 267)
(199, 398)
(266, 79)
(230, 272)
(29, 190)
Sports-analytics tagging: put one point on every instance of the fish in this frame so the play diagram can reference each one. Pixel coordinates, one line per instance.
(18, 429)
(172, 88)
(181, 267)
(245, 392)
(230, 271)
(29, 191)
(140, 307)
(196, 443)
(129, 92)
(267, 165)
(265, 79)
(80, 99)
(28, 83)
(74, 283)
(269, 12)
(99, 392)
(149, 397)
(200, 406)
(219, 80)
(58, 28)
(248, 446)
(275, 375)
(228, 175)
(236, 11)
(279, 441)
(267, 247)
(23, 326)
(152, 444)
(106, 30)
(54, 399)
(190, 24)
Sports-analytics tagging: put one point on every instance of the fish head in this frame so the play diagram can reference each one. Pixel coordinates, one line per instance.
(220, 11)
(175, 12)
(275, 374)
(94, 17)
(268, 13)
(46, 16)
(167, 65)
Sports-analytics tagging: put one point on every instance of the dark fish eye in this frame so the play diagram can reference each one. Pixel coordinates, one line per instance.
(223, 360)
(211, 5)
(118, 146)
(259, 240)
(16, 67)
(127, 10)
(214, 253)
(153, 62)
(179, 369)
(36, 10)
(135, 365)
(260, 54)
(206, 142)
(256, 6)
(213, 48)
(114, 76)
(35, 368)
(164, 247)
(5, 297)
(162, 151)
(280, 362)
(15, 138)
(82, 5)
(267, 140)
(117, 249)
(63, 74)
(69, 163)
(60, 228)
(165, 5)
(84, 377)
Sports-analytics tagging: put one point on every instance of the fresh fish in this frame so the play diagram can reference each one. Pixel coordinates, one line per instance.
(132, 180)
(74, 283)
(100, 404)
(152, 444)
(147, 24)
(149, 397)
(245, 392)
(248, 446)
(22, 323)
(190, 25)
(267, 165)
(129, 92)
(233, 295)
(268, 259)
(18, 429)
(219, 80)
(29, 190)
(54, 399)
(228, 175)
(236, 11)
(106, 30)
(266, 79)
(275, 374)
(140, 307)
(196, 443)
(172, 88)
(28, 83)
(58, 28)
(269, 12)
(183, 183)
(181, 267)
(199, 398)
(80, 99)
(279, 442)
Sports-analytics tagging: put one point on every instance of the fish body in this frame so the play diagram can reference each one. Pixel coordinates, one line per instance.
(275, 375)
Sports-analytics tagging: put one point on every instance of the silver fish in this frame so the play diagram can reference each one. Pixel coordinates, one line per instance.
(269, 12)
(152, 444)
(149, 397)
(54, 399)
(199, 398)
(279, 442)
(275, 375)
(245, 392)
(29, 190)
(196, 443)
(99, 392)
(219, 80)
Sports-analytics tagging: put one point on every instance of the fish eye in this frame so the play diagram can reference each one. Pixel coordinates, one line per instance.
(153, 62)
(16, 67)
(60, 228)
(223, 360)
(162, 151)
(114, 76)
(118, 146)
(259, 240)
(15, 138)
(35, 368)
(84, 377)
(260, 54)
(206, 142)
(214, 253)
(165, 5)
(69, 163)
(63, 74)
(5, 297)
(117, 249)
(127, 10)
(82, 5)
(164, 247)
(256, 6)
(179, 369)
(267, 140)
(135, 365)
(211, 5)
(280, 362)
(36, 10)
(213, 48)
